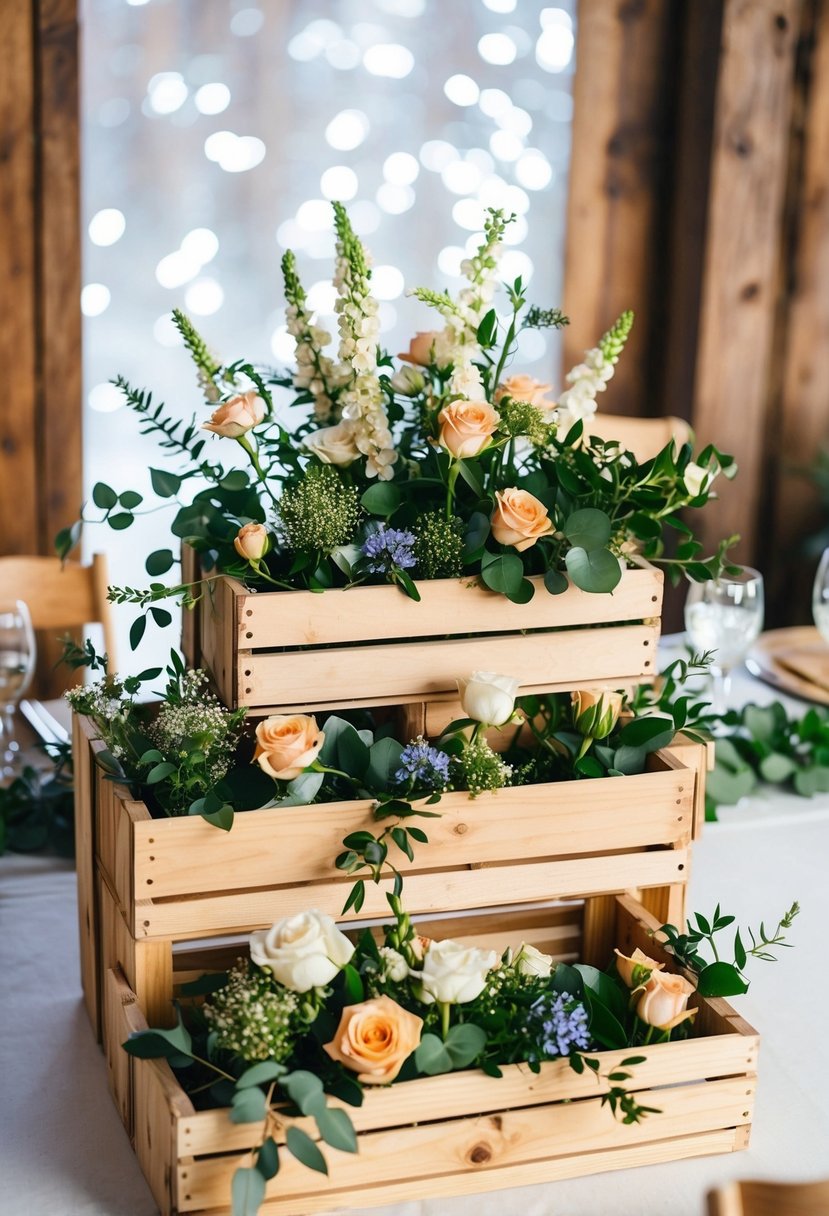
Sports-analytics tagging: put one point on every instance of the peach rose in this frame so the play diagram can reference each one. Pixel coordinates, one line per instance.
(252, 542)
(374, 1039)
(519, 519)
(237, 416)
(286, 744)
(466, 427)
(420, 349)
(635, 968)
(663, 1000)
(596, 711)
(525, 388)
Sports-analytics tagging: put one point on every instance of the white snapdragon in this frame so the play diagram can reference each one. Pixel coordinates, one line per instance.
(458, 344)
(359, 328)
(315, 372)
(589, 378)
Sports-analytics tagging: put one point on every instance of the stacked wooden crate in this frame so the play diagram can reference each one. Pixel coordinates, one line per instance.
(561, 855)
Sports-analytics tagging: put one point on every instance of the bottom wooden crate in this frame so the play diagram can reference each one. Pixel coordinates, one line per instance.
(465, 1132)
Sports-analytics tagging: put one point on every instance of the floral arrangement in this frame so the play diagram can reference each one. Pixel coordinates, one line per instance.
(310, 1014)
(440, 466)
(188, 755)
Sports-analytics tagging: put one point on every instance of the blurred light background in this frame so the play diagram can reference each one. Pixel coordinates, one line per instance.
(215, 132)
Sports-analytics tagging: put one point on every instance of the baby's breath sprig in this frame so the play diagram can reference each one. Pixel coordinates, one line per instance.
(320, 512)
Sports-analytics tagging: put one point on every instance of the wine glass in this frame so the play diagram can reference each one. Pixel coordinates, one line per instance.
(17, 662)
(725, 615)
(820, 596)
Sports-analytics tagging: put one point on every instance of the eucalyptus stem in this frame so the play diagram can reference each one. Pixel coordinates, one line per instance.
(253, 455)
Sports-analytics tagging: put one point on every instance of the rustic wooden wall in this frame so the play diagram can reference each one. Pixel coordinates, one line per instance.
(700, 197)
(40, 319)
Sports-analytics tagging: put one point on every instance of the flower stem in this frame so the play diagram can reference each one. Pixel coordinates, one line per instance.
(445, 1010)
(245, 443)
(454, 470)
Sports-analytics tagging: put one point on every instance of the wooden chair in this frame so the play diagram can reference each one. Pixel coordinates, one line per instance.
(770, 1199)
(60, 597)
(645, 437)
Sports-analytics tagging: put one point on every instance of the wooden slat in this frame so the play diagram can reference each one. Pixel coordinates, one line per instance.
(159, 1103)
(83, 749)
(122, 1015)
(18, 496)
(59, 269)
(748, 172)
(457, 1094)
(147, 965)
(185, 855)
(801, 423)
(194, 917)
(438, 1149)
(549, 662)
(303, 618)
(621, 128)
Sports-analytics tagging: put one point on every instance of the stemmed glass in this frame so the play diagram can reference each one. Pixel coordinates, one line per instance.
(820, 596)
(725, 615)
(17, 663)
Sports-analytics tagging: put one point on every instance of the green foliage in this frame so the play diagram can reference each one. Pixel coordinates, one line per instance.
(719, 977)
(37, 808)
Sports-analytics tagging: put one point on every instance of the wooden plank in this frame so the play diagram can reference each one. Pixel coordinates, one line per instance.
(457, 606)
(88, 925)
(800, 423)
(457, 1094)
(147, 965)
(159, 1103)
(621, 127)
(513, 1137)
(549, 662)
(180, 856)
(59, 269)
(748, 173)
(678, 1148)
(18, 493)
(122, 1016)
(194, 916)
(190, 617)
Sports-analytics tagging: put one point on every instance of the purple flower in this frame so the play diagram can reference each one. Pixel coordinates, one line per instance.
(558, 1024)
(389, 549)
(424, 766)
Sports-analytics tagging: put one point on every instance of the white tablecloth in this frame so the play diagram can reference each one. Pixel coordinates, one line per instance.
(63, 1151)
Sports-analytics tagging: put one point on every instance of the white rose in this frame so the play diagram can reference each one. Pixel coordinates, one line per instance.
(453, 973)
(408, 381)
(530, 961)
(333, 444)
(488, 697)
(303, 951)
(697, 478)
(395, 966)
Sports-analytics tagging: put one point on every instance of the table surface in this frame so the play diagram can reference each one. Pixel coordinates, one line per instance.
(63, 1151)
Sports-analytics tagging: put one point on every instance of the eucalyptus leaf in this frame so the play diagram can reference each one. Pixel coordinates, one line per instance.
(502, 572)
(260, 1074)
(336, 1129)
(432, 1057)
(247, 1191)
(248, 1106)
(596, 570)
(587, 529)
(301, 1146)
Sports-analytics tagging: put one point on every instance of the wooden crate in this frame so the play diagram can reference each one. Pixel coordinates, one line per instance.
(373, 645)
(163, 881)
(463, 1133)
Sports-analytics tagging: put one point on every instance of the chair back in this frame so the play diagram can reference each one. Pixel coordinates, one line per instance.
(645, 437)
(61, 595)
(770, 1199)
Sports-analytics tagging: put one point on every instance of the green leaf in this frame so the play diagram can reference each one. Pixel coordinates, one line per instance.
(567, 979)
(302, 790)
(587, 529)
(810, 781)
(160, 1044)
(651, 732)
(222, 818)
(726, 788)
(267, 1160)
(384, 761)
(720, 979)
(305, 1090)
(464, 1043)
(159, 562)
(159, 772)
(305, 1150)
(356, 896)
(502, 572)
(137, 629)
(165, 484)
(605, 1027)
(120, 521)
(477, 531)
(343, 748)
(432, 1057)
(336, 1129)
(247, 1191)
(472, 477)
(382, 499)
(604, 989)
(130, 499)
(523, 593)
(776, 768)
(740, 956)
(161, 616)
(597, 571)
(248, 1106)
(259, 1074)
(104, 496)
(204, 984)
(486, 329)
(354, 990)
(556, 582)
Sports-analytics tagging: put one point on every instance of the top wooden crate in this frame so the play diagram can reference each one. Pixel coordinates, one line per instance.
(368, 646)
